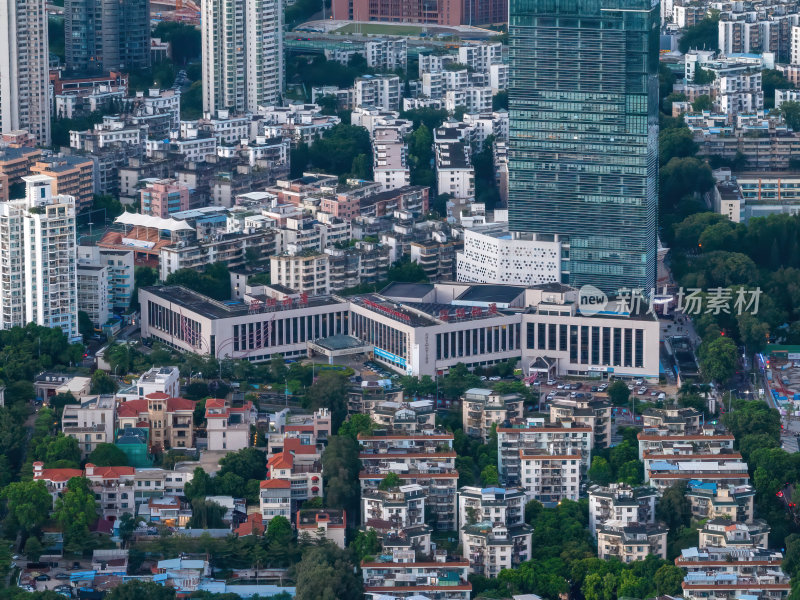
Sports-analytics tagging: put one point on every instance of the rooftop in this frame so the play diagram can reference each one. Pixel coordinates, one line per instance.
(214, 309)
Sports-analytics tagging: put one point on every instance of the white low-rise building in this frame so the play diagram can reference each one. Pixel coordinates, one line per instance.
(492, 255)
(228, 427)
(621, 503)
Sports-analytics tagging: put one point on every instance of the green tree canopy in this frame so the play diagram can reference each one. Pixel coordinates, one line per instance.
(107, 455)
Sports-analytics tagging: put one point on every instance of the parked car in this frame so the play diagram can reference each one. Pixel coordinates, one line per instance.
(642, 391)
(551, 382)
(62, 575)
(654, 393)
(43, 577)
(561, 386)
(494, 378)
(483, 377)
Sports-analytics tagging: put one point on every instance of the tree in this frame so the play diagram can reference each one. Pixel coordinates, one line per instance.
(682, 177)
(206, 515)
(127, 525)
(184, 40)
(102, 383)
(500, 101)
(391, 480)
(407, 272)
(618, 393)
(703, 102)
(771, 80)
(137, 590)
(214, 281)
(600, 471)
(340, 467)
(673, 508)
(357, 424)
(703, 76)
(326, 573)
(675, 143)
(76, 510)
(365, 544)
(668, 580)
(329, 391)
(336, 150)
(489, 476)
(791, 114)
(107, 455)
(85, 325)
(248, 463)
(277, 367)
(718, 359)
(192, 102)
(64, 448)
(33, 548)
(701, 36)
(201, 485)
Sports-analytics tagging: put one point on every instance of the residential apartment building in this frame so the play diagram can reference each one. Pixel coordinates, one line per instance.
(586, 410)
(303, 472)
(403, 577)
(275, 499)
(728, 573)
(672, 421)
(397, 508)
(91, 422)
(322, 524)
(632, 542)
(482, 408)
(72, 176)
(706, 457)
(721, 532)
(24, 63)
(710, 501)
(416, 416)
(305, 273)
(378, 91)
(93, 292)
(228, 427)
(550, 476)
(438, 12)
(426, 459)
(390, 166)
(568, 442)
(242, 47)
(162, 198)
(102, 35)
(492, 528)
(163, 380)
(621, 503)
(168, 419)
(16, 161)
(119, 268)
(455, 174)
(37, 246)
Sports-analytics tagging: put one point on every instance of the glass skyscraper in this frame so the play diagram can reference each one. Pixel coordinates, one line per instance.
(583, 146)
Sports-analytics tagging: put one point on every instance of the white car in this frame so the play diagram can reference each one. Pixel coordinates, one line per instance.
(642, 391)
(639, 381)
(602, 388)
(560, 386)
(483, 377)
(551, 395)
(654, 393)
(551, 382)
(494, 378)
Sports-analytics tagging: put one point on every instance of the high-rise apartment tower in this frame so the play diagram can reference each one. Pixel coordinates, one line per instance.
(242, 54)
(24, 75)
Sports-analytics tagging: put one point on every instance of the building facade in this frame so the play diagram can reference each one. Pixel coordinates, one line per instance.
(242, 46)
(24, 63)
(583, 164)
(106, 35)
